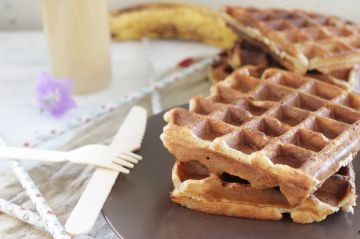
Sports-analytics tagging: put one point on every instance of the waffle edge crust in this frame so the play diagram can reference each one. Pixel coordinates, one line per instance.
(211, 195)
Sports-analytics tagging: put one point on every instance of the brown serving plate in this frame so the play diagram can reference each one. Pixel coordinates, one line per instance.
(139, 206)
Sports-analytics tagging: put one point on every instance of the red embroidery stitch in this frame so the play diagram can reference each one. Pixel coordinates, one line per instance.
(185, 63)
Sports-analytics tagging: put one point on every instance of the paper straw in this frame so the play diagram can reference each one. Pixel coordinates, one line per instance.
(106, 109)
(155, 96)
(22, 214)
(56, 229)
(19, 212)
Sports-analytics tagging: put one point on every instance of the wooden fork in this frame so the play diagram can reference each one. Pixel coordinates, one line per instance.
(95, 154)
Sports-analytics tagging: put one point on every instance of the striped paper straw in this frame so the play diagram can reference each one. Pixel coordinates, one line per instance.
(56, 229)
(22, 214)
(155, 96)
(19, 212)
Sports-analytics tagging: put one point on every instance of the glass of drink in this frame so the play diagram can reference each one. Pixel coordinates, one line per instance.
(79, 42)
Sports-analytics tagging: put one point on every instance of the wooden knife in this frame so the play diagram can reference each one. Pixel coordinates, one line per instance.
(86, 211)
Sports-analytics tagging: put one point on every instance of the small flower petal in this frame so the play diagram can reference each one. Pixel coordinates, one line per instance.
(65, 103)
(54, 96)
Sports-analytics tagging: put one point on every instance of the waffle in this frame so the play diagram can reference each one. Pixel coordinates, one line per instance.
(243, 54)
(297, 39)
(284, 130)
(197, 188)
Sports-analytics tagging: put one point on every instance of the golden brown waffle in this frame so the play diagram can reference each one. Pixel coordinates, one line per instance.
(299, 40)
(245, 55)
(284, 130)
(197, 188)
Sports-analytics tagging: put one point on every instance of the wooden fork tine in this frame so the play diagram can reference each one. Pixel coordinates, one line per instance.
(132, 155)
(120, 168)
(127, 158)
(123, 162)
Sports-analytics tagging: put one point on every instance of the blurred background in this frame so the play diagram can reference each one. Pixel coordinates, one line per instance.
(21, 15)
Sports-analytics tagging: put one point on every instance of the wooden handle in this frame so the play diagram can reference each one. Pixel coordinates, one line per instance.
(31, 154)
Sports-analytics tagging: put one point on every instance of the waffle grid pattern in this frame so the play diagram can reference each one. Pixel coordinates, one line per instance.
(313, 119)
(315, 40)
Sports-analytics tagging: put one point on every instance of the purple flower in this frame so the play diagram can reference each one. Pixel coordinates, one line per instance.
(54, 96)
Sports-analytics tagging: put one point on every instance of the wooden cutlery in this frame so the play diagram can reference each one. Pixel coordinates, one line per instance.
(86, 211)
(95, 154)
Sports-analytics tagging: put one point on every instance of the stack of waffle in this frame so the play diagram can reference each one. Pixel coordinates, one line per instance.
(270, 141)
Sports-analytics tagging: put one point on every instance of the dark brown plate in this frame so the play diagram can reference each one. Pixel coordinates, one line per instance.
(139, 207)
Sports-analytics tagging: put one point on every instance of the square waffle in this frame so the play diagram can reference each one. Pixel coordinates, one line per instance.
(297, 39)
(197, 188)
(282, 130)
(243, 54)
